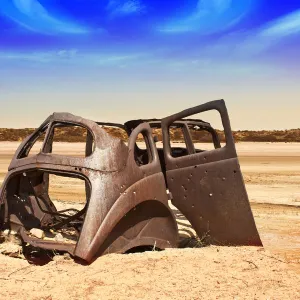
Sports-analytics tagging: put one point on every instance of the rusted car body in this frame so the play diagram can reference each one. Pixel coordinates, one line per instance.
(127, 187)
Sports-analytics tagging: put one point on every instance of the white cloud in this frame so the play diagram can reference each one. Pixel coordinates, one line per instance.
(282, 27)
(271, 34)
(128, 7)
(245, 44)
(209, 16)
(31, 15)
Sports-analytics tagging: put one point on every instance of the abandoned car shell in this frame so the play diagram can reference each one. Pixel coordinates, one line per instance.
(126, 194)
(127, 204)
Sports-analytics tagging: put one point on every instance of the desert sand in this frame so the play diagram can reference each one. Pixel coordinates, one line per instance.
(272, 176)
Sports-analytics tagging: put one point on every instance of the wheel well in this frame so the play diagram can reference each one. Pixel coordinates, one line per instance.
(142, 226)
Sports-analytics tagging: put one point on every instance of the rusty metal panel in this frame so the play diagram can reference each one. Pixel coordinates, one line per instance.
(213, 198)
(208, 187)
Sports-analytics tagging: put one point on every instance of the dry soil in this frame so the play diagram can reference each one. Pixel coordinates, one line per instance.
(272, 176)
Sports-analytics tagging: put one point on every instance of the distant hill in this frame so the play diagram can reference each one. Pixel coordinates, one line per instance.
(78, 134)
(291, 135)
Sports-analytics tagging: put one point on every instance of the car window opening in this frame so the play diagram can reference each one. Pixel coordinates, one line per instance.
(44, 201)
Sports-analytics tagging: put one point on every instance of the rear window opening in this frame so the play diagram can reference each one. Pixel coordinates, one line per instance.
(194, 135)
(206, 130)
(204, 138)
(35, 144)
(157, 135)
(142, 152)
(177, 141)
(140, 141)
(70, 140)
(55, 203)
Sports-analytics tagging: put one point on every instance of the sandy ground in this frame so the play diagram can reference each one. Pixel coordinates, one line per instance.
(272, 176)
(207, 273)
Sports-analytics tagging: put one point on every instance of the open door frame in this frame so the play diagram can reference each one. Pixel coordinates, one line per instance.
(208, 187)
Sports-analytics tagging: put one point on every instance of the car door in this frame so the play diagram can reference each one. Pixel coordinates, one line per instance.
(208, 187)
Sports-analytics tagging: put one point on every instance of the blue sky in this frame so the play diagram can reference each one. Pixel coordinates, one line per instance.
(113, 60)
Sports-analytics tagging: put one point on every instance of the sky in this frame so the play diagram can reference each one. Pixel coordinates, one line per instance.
(114, 60)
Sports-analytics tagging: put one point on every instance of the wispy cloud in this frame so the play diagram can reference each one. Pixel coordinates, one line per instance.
(236, 49)
(73, 57)
(123, 8)
(209, 16)
(30, 14)
(40, 57)
(247, 44)
(282, 27)
(271, 34)
(218, 67)
(203, 63)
